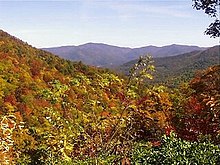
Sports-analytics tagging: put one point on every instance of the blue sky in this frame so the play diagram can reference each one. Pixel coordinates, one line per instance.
(116, 22)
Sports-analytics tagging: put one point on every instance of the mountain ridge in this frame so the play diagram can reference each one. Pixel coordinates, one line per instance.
(104, 55)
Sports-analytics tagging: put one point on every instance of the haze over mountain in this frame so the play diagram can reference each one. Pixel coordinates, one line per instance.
(104, 55)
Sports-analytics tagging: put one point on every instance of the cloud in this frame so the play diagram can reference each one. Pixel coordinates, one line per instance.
(150, 9)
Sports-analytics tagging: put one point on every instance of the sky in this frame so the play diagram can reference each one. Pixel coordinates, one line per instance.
(125, 23)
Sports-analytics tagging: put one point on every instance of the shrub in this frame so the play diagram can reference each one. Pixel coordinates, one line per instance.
(173, 150)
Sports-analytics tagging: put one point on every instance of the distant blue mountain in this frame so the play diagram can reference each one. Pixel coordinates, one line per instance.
(103, 55)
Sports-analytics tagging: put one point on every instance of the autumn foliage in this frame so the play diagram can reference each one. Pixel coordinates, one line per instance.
(201, 114)
(54, 111)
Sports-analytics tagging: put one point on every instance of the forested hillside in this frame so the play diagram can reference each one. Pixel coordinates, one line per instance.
(47, 100)
(175, 70)
(54, 111)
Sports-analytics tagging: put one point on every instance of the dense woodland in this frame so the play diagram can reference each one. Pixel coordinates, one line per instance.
(54, 111)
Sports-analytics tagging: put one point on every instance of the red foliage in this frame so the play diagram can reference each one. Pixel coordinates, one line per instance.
(11, 124)
(201, 115)
(3, 56)
(36, 67)
(142, 100)
(194, 105)
(121, 96)
(11, 99)
(168, 130)
(42, 103)
(105, 114)
(25, 110)
(156, 143)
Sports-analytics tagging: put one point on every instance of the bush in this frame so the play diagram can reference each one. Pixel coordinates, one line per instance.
(199, 112)
(173, 150)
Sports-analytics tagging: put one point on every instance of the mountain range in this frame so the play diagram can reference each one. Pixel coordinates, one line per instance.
(103, 55)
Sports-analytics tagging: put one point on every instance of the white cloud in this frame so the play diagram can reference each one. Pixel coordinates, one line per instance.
(150, 9)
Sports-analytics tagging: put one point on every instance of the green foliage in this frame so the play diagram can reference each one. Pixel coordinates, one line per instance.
(142, 69)
(173, 150)
(57, 94)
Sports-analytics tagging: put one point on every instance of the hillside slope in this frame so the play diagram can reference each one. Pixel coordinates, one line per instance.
(45, 100)
(55, 111)
(175, 69)
(110, 56)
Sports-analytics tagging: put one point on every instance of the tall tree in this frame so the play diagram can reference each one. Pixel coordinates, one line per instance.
(210, 7)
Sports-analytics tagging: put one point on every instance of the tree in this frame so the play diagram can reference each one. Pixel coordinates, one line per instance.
(210, 7)
(200, 117)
